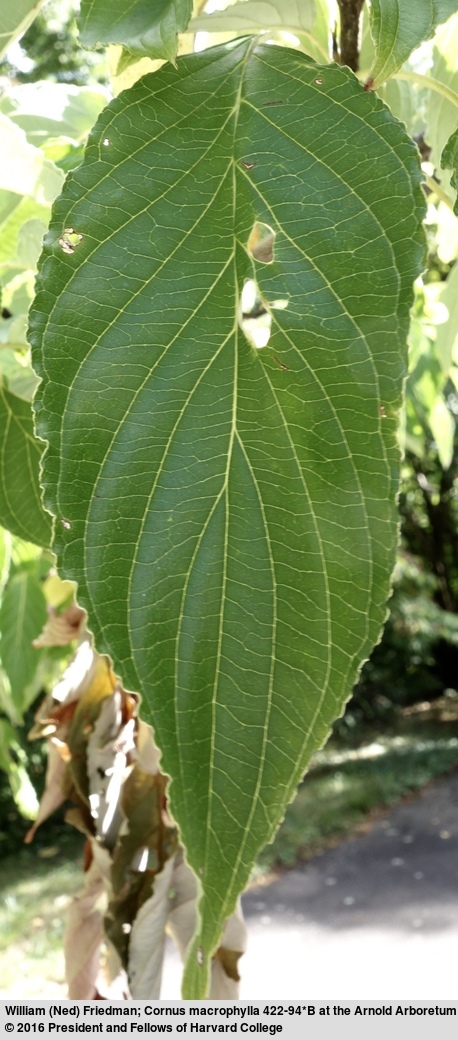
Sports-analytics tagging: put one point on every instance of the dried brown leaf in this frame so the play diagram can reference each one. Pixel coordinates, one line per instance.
(53, 794)
(62, 629)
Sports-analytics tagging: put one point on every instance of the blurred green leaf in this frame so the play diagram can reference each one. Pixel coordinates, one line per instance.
(5, 557)
(46, 111)
(22, 617)
(142, 28)
(251, 16)
(24, 169)
(18, 377)
(15, 17)
(442, 426)
(30, 242)
(398, 27)
(447, 332)
(21, 510)
(442, 113)
(449, 159)
(13, 762)
(14, 213)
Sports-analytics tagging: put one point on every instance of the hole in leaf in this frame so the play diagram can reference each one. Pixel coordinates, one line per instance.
(69, 240)
(261, 242)
(255, 319)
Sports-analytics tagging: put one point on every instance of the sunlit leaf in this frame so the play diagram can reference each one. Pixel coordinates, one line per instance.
(258, 15)
(441, 112)
(229, 512)
(145, 29)
(398, 27)
(14, 20)
(53, 110)
(24, 168)
(447, 332)
(14, 213)
(18, 378)
(442, 426)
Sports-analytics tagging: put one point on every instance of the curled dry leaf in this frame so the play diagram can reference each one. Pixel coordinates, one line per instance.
(182, 922)
(173, 907)
(104, 759)
(62, 629)
(53, 794)
(57, 709)
(84, 933)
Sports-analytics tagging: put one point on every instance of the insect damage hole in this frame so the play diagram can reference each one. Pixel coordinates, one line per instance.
(69, 240)
(261, 241)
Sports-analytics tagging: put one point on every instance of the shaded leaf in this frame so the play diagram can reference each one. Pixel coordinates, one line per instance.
(13, 761)
(234, 554)
(144, 29)
(21, 510)
(398, 27)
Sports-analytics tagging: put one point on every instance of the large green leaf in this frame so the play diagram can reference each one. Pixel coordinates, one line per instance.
(229, 512)
(143, 28)
(398, 27)
(21, 510)
(14, 20)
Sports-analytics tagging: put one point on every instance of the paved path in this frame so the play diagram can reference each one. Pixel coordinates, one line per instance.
(376, 917)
